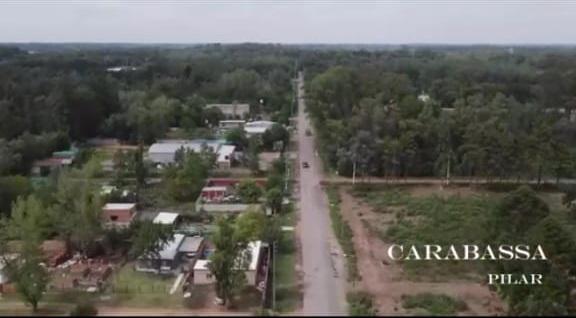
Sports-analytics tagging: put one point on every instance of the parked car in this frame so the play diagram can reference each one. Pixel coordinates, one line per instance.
(305, 164)
(308, 132)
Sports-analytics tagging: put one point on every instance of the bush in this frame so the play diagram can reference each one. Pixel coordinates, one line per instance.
(361, 304)
(434, 304)
(84, 310)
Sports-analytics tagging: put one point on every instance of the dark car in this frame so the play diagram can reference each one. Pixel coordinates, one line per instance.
(305, 164)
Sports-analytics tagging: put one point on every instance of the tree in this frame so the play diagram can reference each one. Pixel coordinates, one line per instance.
(148, 238)
(11, 188)
(184, 182)
(31, 278)
(29, 225)
(276, 133)
(238, 138)
(274, 199)
(518, 212)
(249, 191)
(77, 213)
(250, 225)
(229, 260)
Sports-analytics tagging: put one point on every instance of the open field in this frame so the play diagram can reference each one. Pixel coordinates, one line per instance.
(402, 216)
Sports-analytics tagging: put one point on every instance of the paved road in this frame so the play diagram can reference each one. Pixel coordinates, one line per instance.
(322, 263)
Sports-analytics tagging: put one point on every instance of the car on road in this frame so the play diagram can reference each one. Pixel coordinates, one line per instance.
(305, 164)
(308, 132)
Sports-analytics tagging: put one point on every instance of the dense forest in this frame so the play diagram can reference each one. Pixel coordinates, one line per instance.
(49, 99)
(478, 113)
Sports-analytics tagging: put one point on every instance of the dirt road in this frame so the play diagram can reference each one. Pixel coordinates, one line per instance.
(322, 264)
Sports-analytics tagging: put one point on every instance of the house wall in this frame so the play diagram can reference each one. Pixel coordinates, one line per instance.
(161, 157)
(122, 216)
(203, 277)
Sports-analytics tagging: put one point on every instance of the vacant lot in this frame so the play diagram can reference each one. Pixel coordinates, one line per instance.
(416, 216)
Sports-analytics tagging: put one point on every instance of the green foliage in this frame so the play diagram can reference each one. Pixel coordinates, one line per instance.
(274, 200)
(228, 262)
(519, 211)
(249, 191)
(361, 304)
(185, 181)
(148, 238)
(11, 188)
(238, 138)
(434, 304)
(343, 233)
(84, 310)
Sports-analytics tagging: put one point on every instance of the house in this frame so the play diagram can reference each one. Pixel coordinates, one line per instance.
(167, 218)
(232, 111)
(58, 160)
(226, 125)
(164, 151)
(119, 215)
(253, 256)
(257, 127)
(214, 193)
(191, 249)
(167, 261)
(225, 156)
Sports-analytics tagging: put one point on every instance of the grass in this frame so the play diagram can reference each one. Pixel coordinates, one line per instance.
(132, 288)
(361, 304)
(343, 233)
(286, 285)
(455, 220)
(434, 304)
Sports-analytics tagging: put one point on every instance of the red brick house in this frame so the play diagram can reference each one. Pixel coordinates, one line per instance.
(119, 214)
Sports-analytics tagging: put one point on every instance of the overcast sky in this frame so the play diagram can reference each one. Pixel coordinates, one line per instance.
(289, 21)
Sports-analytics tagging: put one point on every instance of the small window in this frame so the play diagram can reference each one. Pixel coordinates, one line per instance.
(208, 275)
(114, 217)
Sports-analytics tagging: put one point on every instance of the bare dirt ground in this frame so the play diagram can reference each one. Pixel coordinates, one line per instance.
(384, 279)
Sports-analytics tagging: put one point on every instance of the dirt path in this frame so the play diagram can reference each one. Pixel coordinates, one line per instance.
(384, 280)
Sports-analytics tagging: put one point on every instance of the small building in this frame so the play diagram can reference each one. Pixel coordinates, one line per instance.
(253, 257)
(257, 127)
(232, 111)
(167, 261)
(191, 249)
(164, 152)
(44, 167)
(225, 156)
(167, 218)
(119, 215)
(215, 193)
(226, 125)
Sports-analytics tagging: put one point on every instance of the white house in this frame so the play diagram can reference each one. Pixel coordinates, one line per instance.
(167, 261)
(257, 127)
(164, 151)
(253, 253)
(225, 156)
(232, 111)
(166, 218)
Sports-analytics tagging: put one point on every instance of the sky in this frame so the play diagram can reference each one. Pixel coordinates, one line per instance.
(290, 21)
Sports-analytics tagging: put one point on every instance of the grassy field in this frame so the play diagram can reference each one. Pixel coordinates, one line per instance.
(287, 289)
(132, 288)
(433, 219)
(432, 304)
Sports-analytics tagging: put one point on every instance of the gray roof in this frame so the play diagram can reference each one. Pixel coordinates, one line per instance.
(191, 244)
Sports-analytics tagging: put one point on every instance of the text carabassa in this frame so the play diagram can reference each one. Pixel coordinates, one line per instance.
(465, 252)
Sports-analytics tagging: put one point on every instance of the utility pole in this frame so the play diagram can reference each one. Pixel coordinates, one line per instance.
(354, 172)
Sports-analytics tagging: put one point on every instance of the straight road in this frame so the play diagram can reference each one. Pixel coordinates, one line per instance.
(322, 261)
(440, 181)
